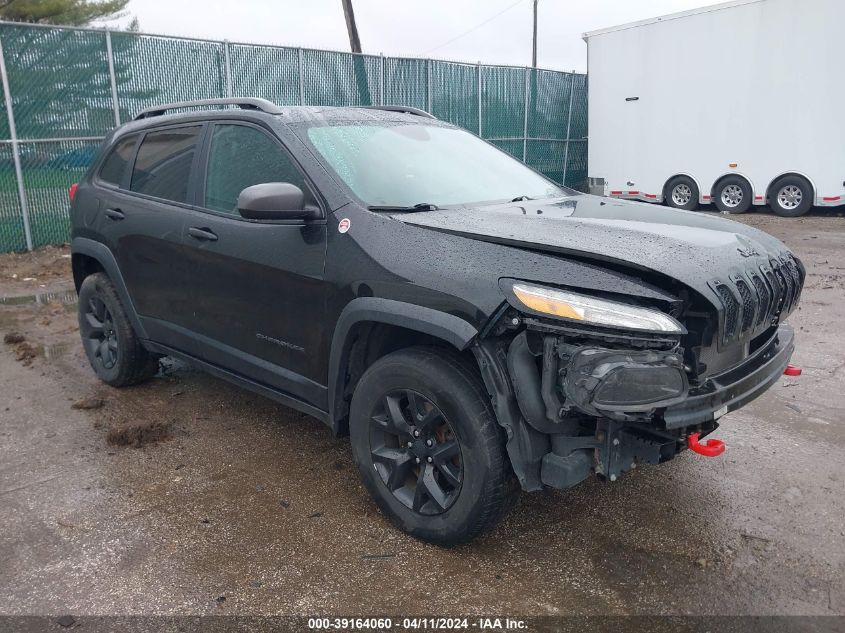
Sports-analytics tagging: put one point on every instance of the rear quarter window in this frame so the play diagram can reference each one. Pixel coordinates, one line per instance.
(114, 167)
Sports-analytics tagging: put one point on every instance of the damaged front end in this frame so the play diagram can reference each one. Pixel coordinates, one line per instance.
(577, 399)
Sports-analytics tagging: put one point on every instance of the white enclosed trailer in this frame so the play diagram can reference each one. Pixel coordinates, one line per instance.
(736, 104)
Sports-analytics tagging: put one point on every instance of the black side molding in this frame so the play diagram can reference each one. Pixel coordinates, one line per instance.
(286, 399)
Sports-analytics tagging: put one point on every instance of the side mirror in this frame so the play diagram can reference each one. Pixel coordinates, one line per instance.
(274, 201)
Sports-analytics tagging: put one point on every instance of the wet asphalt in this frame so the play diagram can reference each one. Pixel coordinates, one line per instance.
(241, 506)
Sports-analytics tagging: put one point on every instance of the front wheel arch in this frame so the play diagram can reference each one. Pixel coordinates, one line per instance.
(388, 322)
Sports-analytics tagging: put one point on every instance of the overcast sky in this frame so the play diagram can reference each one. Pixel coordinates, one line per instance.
(464, 30)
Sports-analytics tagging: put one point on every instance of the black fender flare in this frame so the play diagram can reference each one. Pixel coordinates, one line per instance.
(101, 253)
(447, 327)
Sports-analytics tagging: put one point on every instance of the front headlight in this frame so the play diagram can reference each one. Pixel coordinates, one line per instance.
(570, 305)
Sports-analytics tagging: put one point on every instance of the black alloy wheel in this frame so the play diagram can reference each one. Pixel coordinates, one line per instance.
(115, 352)
(415, 452)
(428, 446)
(99, 334)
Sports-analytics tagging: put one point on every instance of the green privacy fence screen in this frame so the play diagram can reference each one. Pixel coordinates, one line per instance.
(64, 89)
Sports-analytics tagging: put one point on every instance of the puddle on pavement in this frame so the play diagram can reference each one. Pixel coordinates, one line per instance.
(54, 351)
(66, 297)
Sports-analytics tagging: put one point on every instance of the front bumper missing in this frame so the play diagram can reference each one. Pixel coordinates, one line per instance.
(646, 411)
(637, 385)
(736, 387)
(557, 440)
(615, 449)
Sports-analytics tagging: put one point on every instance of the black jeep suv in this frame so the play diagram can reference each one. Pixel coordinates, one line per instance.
(473, 326)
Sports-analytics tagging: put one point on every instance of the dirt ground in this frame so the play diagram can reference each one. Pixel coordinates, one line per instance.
(189, 496)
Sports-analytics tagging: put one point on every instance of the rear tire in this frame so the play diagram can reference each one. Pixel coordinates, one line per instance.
(428, 446)
(791, 196)
(681, 193)
(732, 195)
(113, 349)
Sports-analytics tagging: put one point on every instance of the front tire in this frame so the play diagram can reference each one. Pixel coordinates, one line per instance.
(428, 446)
(682, 193)
(113, 349)
(732, 195)
(791, 197)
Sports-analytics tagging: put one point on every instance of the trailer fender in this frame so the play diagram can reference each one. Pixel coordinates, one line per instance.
(665, 191)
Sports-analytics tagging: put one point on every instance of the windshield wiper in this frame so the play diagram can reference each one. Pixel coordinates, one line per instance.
(422, 206)
(520, 199)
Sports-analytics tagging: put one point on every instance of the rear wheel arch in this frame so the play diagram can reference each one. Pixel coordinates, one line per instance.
(90, 256)
(84, 266)
(369, 328)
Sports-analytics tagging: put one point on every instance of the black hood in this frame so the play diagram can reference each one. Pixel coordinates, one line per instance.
(693, 248)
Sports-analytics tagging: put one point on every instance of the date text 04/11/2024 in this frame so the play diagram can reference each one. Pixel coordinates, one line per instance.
(421, 624)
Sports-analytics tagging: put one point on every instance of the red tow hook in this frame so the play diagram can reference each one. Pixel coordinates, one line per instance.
(792, 370)
(712, 448)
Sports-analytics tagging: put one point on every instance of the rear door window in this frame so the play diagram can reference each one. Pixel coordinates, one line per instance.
(114, 167)
(242, 156)
(163, 166)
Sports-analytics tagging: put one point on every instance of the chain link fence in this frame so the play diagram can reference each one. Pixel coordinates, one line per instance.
(65, 88)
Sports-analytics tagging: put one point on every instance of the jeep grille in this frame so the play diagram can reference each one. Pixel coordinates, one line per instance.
(758, 299)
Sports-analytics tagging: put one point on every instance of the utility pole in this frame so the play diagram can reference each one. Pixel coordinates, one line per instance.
(361, 79)
(352, 28)
(534, 47)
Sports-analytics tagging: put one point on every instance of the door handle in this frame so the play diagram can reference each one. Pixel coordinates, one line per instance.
(202, 234)
(115, 214)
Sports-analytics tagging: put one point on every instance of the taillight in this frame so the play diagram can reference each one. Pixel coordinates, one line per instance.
(72, 191)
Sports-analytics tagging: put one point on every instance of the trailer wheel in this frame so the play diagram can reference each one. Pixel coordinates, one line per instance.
(791, 196)
(681, 193)
(732, 194)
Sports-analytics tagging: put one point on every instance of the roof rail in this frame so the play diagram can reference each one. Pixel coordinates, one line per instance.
(262, 105)
(403, 109)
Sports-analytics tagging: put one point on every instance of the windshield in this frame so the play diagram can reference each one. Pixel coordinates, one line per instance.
(402, 165)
